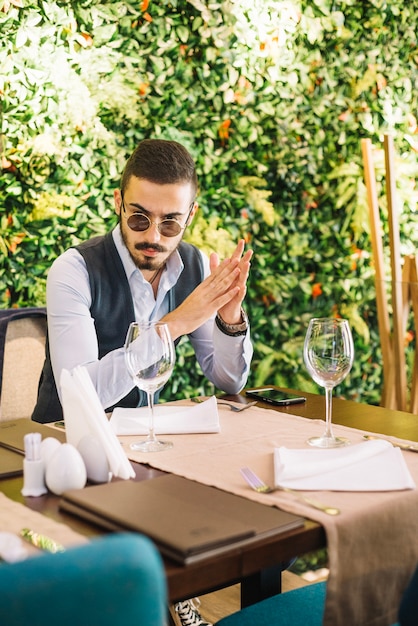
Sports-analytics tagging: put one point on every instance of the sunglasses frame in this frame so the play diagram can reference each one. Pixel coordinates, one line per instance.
(157, 224)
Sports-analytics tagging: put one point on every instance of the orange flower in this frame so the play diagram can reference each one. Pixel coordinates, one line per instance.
(144, 5)
(409, 336)
(87, 38)
(223, 130)
(355, 256)
(15, 241)
(316, 290)
(343, 116)
(147, 17)
(267, 299)
(244, 214)
(143, 88)
(335, 311)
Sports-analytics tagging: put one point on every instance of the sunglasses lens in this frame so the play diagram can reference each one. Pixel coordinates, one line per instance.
(169, 228)
(138, 222)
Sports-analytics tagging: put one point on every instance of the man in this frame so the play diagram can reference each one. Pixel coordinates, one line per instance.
(142, 270)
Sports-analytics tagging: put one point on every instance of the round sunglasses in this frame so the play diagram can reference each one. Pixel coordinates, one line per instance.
(170, 227)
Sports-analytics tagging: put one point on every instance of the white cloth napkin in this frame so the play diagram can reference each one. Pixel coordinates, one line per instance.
(168, 420)
(84, 415)
(366, 466)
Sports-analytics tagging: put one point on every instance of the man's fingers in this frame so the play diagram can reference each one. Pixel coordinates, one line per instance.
(213, 261)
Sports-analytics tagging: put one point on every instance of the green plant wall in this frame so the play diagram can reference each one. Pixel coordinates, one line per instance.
(272, 99)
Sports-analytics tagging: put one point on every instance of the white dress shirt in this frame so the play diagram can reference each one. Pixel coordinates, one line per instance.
(224, 360)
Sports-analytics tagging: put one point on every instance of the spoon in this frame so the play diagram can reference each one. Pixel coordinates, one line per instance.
(402, 446)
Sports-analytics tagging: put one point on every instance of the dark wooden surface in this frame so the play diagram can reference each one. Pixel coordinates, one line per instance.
(248, 563)
(353, 414)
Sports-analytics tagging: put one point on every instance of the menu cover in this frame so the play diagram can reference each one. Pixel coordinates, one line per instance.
(12, 433)
(187, 520)
(11, 463)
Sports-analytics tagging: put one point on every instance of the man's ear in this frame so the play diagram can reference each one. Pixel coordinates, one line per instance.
(193, 213)
(117, 198)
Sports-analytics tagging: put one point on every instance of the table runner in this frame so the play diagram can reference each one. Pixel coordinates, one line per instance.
(372, 545)
(15, 516)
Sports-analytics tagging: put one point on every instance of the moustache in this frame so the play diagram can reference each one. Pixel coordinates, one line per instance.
(149, 246)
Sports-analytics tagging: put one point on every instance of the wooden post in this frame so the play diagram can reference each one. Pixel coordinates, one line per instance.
(413, 293)
(396, 272)
(388, 393)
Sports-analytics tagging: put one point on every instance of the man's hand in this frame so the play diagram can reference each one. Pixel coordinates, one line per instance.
(231, 311)
(223, 291)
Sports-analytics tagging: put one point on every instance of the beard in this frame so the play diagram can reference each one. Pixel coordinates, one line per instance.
(145, 263)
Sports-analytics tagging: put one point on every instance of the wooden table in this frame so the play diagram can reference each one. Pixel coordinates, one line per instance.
(255, 566)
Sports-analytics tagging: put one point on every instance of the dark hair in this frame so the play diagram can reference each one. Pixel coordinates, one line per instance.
(162, 162)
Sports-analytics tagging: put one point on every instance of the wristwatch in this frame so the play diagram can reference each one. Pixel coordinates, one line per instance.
(233, 330)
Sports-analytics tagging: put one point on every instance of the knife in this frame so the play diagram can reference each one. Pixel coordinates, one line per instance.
(402, 446)
(41, 541)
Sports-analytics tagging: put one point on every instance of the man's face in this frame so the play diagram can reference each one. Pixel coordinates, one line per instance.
(150, 249)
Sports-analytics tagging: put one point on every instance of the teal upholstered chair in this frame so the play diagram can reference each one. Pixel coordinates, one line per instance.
(305, 607)
(112, 581)
(299, 607)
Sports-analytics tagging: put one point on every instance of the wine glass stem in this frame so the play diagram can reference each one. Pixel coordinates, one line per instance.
(151, 433)
(328, 411)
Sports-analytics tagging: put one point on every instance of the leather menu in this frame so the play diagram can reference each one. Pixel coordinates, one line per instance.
(11, 463)
(13, 431)
(187, 520)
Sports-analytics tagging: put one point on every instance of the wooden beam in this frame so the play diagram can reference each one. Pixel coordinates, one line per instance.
(396, 272)
(388, 399)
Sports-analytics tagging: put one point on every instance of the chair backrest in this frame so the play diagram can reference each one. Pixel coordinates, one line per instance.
(22, 347)
(115, 580)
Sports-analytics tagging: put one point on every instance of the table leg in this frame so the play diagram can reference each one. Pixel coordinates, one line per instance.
(263, 584)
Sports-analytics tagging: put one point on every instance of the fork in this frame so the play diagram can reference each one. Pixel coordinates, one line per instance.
(233, 407)
(258, 485)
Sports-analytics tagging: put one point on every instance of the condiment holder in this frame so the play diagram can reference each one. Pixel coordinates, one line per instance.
(60, 466)
(33, 466)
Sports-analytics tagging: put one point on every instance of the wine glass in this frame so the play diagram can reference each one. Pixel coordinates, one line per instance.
(150, 357)
(328, 353)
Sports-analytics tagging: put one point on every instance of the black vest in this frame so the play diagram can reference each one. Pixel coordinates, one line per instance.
(112, 309)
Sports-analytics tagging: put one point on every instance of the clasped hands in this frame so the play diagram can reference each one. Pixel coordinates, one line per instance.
(222, 292)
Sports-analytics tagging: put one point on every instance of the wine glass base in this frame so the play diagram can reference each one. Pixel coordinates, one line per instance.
(328, 442)
(151, 445)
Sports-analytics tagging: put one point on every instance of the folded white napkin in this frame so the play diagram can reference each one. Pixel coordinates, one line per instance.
(168, 420)
(366, 466)
(85, 416)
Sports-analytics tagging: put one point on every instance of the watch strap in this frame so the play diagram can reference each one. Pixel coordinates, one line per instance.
(233, 330)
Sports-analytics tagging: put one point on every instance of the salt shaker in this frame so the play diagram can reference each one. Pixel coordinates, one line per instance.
(33, 466)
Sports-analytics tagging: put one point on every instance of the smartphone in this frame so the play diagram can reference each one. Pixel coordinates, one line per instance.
(274, 396)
